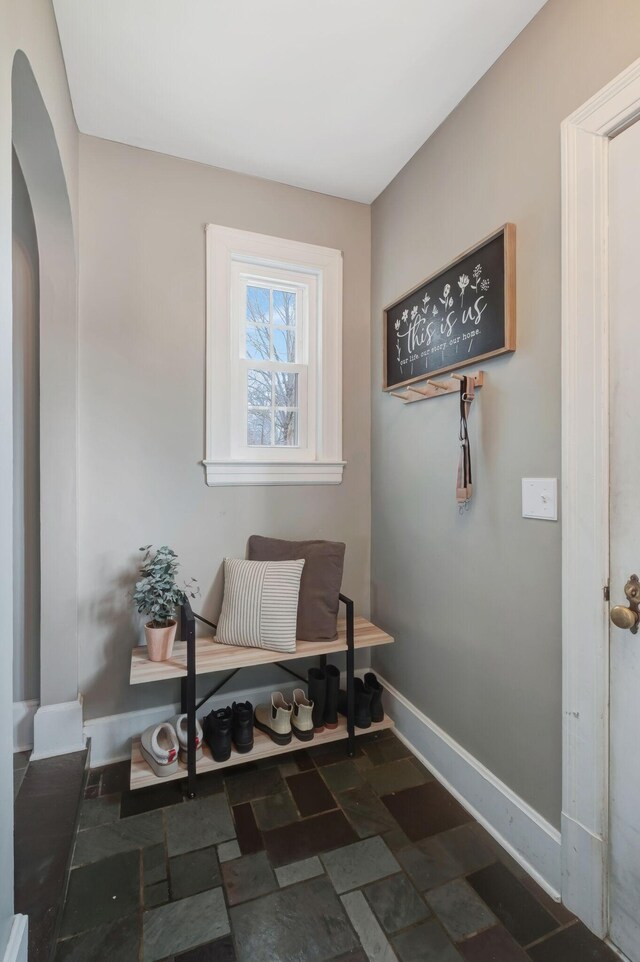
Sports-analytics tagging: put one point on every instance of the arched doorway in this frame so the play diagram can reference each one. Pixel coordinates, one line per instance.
(58, 721)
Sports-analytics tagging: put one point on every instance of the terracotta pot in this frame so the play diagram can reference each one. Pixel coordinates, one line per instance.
(160, 641)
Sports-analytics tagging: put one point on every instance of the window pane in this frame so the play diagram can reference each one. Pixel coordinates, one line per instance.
(257, 347)
(283, 346)
(258, 305)
(284, 308)
(286, 427)
(286, 390)
(259, 389)
(259, 427)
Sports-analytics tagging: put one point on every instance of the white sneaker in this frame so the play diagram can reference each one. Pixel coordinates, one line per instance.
(179, 723)
(159, 747)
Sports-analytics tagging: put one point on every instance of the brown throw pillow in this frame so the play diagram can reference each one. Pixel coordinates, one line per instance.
(320, 584)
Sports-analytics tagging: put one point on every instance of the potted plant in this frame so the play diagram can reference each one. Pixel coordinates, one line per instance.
(157, 595)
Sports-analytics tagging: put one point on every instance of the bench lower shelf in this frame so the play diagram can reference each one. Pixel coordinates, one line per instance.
(263, 747)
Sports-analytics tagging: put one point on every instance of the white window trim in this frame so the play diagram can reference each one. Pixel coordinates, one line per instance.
(225, 247)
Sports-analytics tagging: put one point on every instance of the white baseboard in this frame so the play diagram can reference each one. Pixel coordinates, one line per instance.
(23, 715)
(111, 735)
(523, 832)
(18, 944)
(57, 729)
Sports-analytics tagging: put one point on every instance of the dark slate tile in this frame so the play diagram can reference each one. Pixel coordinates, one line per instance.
(187, 924)
(44, 827)
(460, 909)
(115, 778)
(386, 750)
(517, 909)
(559, 911)
(101, 892)
(342, 776)
(314, 835)
(274, 811)
(310, 793)
(372, 938)
(425, 810)
(468, 850)
(396, 840)
(99, 811)
(94, 776)
(122, 936)
(249, 837)
(245, 786)
(210, 783)
(125, 835)
(429, 864)
(92, 791)
(248, 877)
(199, 823)
(220, 951)
(493, 945)
(366, 812)
(396, 903)
(149, 799)
(357, 955)
(425, 943)
(304, 922)
(303, 761)
(394, 776)
(156, 894)
(194, 872)
(357, 864)
(332, 752)
(573, 944)
(154, 864)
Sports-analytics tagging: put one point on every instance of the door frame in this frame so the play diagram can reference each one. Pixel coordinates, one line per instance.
(586, 135)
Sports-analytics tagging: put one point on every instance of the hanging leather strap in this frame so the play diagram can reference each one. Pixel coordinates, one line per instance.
(464, 487)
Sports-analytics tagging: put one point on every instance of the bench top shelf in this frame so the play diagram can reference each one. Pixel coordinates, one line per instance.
(211, 656)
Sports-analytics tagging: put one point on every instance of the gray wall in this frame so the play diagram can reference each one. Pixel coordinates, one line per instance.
(26, 445)
(142, 384)
(474, 600)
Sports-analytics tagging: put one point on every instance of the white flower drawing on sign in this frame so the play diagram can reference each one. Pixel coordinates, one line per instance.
(463, 283)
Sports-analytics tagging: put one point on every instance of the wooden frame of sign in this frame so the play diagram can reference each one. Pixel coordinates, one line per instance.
(462, 314)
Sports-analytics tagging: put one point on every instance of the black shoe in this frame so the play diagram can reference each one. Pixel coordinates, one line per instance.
(362, 706)
(331, 703)
(242, 727)
(217, 733)
(318, 695)
(376, 689)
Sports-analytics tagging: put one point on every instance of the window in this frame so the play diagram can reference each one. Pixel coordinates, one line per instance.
(274, 346)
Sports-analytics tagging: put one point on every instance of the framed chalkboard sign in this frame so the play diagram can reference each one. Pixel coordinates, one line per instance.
(466, 312)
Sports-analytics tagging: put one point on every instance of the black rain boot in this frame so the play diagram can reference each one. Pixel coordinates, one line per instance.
(318, 695)
(217, 733)
(376, 689)
(242, 727)
(362, 699)
(331, 704)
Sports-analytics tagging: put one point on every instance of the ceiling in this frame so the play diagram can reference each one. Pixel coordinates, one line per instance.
(331, 95)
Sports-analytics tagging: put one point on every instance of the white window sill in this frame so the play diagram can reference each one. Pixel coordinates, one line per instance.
(273, 472)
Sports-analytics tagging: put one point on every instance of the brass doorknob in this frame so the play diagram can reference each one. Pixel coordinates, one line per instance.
(628, 617)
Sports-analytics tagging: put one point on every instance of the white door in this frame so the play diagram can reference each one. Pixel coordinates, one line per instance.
(624, 266)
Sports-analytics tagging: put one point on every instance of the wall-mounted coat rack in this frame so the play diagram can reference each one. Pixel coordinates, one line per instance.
(433, 388)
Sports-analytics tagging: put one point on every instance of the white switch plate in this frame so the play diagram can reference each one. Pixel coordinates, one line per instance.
(540, 498)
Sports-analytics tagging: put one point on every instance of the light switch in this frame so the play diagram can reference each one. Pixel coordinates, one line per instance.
(540, 498)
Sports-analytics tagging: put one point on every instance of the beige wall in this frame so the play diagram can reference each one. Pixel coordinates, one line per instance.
(26, 445)
(142, 384)
(26, 25)
(475, 599)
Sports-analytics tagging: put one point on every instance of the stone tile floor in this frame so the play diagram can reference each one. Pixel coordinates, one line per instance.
(20, 765)
(305, 858)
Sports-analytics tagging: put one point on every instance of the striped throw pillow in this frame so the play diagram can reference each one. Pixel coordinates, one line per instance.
(260, 604)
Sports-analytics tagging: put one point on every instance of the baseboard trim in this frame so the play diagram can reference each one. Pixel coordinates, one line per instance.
(584, 867)
(57, 729)
(23, 715)
(532, 841)
(18, 944)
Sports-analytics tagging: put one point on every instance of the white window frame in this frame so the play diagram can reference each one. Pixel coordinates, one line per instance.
(233, 257)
